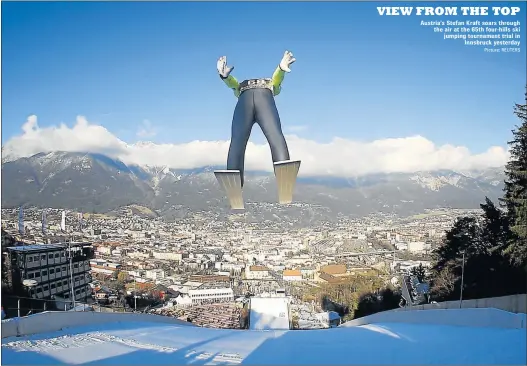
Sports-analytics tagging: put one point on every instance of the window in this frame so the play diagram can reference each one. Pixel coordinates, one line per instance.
(63, 268)
(43, 257)
(57, 269)
(30, 259)
(44, 272)
(76, 265)
(50, 256)
(46, 287)
(35, 258)
(39, 290)
(65, 282)
(63, 254)
(57, 255)
(51, 271)
(77, 292)
(53, 286)
(31, 275)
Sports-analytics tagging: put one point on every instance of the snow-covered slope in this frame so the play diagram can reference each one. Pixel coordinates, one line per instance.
(269, 313)
(142, 342)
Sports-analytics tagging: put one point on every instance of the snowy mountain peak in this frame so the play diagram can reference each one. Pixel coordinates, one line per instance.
(435, 182)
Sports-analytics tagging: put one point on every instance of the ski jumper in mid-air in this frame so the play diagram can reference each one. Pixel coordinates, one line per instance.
(256, 105)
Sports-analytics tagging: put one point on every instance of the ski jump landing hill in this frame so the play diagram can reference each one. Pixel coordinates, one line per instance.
(269, 313)
(437, 336)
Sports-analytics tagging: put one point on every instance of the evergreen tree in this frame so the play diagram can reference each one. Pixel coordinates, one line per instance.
(371, 303)
(487, 272)
(462, 237)
(491, 242)
(515, 197)
(495, 231)
(389, 299)
(419, 272)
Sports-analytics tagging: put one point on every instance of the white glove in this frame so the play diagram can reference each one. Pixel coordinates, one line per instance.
(287, 60)
(223, 69)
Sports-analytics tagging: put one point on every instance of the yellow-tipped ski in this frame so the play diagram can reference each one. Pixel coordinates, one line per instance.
(231, 183)
(286, 173)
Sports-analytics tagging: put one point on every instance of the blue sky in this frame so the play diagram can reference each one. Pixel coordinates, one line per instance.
(358, 75)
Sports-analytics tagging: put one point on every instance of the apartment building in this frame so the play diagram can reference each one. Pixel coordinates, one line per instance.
(155, 274)
(292, 275)
(257, 273)
(207, 296)
(103, 266)
(56, 269)
(174, 256)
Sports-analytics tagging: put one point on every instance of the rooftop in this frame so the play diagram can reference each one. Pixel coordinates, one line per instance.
(46, 247)
(257, 268)
(292, 272)
(334, 269)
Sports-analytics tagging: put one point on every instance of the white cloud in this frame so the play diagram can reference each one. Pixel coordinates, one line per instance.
(146, 130)
(340, 157)
(82, 137)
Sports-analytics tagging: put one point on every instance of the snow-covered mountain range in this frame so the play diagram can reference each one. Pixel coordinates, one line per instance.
(95, 182)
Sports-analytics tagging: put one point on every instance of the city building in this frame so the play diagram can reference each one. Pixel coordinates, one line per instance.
(416, 246)
(212, 295)
(256, 272)
(104, 250)
(308, 273)
(54, 269)
(236, 268)
(292, 275)
(8, 239)
(104, 267)
(155, 274)
(330, 319)
(175, 256)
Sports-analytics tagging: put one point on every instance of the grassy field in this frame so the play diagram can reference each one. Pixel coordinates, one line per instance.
(425, 215)
(143, 210)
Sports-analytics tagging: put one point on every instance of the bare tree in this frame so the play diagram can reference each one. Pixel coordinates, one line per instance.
(444, 282)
